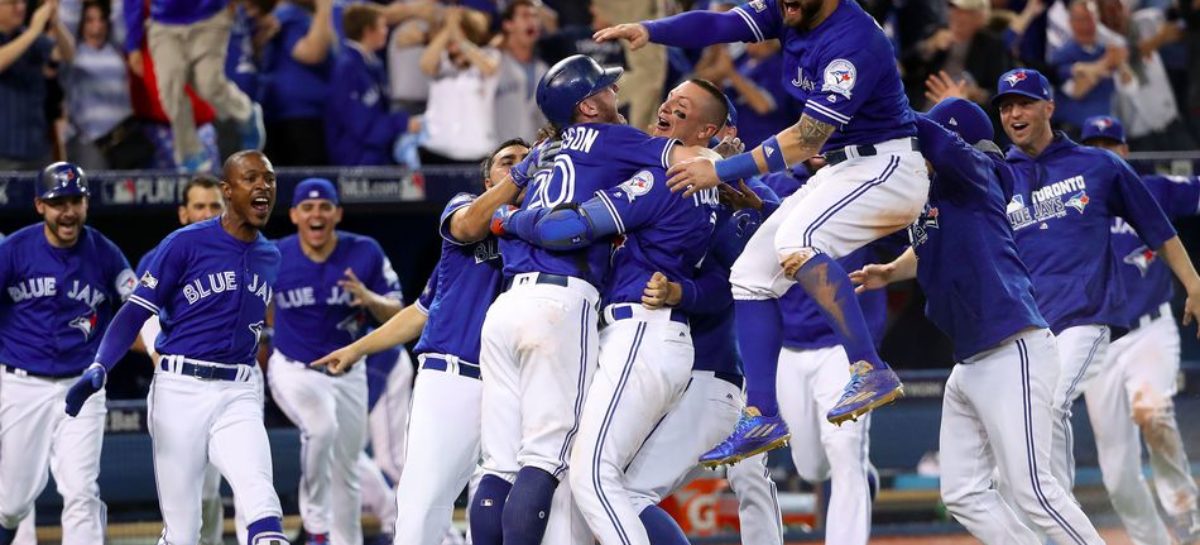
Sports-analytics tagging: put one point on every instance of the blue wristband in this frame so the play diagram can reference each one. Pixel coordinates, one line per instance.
(736, 168)
(773, 154)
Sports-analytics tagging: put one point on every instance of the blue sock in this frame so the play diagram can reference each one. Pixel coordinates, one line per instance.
(7, 536)
(487, 507)
(528, 509)
(827, 283)
(759, 326)
(266, 531)
(662, 529)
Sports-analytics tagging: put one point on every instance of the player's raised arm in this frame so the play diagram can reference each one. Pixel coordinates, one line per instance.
(696, 29)
(471, 223)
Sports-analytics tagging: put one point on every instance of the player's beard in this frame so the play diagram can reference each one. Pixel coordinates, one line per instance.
(808, 13)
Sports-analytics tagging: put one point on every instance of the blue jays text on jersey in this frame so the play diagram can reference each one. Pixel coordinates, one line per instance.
(844, 70)
(1146, 278)
(57, 302)
(465, 281)
(978, 292)
(313, 316)
(1061, 210)
(594, 157)
(210, 291)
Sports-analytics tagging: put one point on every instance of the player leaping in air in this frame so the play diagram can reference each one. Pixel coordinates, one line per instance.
(876, 182)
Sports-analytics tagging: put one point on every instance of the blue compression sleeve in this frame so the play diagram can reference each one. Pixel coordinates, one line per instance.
(696, 29)
(120, 334)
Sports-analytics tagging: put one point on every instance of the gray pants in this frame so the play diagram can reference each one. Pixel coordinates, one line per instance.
(195, 54)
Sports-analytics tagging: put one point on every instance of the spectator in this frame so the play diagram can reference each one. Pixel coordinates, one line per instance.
(964, 50)
(189, 41)
(24, 54)
(577, 40)
(358, 128)
(1086, 67)
(253, 26)
(460, 118)
(642, 85)
(97, 91)
(764, 107)
(297, 65)
(148, 109)
(517, 113)
(409, 85)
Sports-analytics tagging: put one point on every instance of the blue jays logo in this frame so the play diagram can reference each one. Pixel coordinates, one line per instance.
(353, 324)
(86, 324)
(257, 328)
(1016, 77)
(1079, 201)
(840, 77)
(1102, 123)
(1141, 258)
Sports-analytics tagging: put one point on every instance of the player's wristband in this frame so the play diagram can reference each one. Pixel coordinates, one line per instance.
(736, 168)
(773, 154)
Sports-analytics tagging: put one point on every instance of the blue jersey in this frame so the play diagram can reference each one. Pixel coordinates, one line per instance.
(210, 292)
(594, 157)
(1146, 279)
(292, 89)
(657, 231)
(463, 285)
(313, 316)
(978, 292)
(1097, 101)
(359, 130)
(1061, 211)
(844, 71)
(57, 302)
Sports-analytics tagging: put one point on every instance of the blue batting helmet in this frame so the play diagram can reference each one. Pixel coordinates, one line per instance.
(62, 179)
(570, 81)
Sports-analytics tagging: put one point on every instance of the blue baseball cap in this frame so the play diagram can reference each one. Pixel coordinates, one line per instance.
(731, 119)
(314, 188)
(1103, 126)
(1024, 82)
(965, 118)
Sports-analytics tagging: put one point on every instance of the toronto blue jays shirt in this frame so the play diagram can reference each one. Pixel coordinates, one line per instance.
(593, 157)
(210, 291)
(57, 302)
(465, 281)
(1061, 210)
(844, 70)
(978, 292)
(1146, 279)
(313, 315)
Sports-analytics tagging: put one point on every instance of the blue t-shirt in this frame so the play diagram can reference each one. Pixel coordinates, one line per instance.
(57, 302)
(594, 157)
(844, 71)
(359, 130)
(1097, 101)
(1061, 211)
(292, 89)
(1146, 279)
(977, 290)
(210, 292)
(463, 285)
(313, 316)
(240, 65)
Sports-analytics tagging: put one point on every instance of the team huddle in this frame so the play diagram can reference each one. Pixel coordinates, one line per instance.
(619, 309)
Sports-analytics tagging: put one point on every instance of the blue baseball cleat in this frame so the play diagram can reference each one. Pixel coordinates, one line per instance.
(869, 388)
(754, 434)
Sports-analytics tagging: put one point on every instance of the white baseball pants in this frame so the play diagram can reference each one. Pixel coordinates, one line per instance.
(194, 422)
(37, 437)
(331, 413)
(387, 423)
(809, 383)
(841, 208)
(645, 364)
(1082, 351)
(444, 428)
(997, 415)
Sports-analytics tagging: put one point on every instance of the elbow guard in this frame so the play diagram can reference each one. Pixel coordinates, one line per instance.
(566, 227)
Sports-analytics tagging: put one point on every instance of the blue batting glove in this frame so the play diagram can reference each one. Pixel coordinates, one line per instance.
(92, 381)
(539, 158)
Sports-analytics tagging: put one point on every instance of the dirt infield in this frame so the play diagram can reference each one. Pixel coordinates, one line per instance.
(1111, 537)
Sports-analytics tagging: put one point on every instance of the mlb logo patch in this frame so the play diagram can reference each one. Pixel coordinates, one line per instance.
(840, 77)
(639, 184)
(758, 5)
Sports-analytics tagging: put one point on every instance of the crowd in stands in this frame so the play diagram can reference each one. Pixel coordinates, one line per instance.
(178, 84)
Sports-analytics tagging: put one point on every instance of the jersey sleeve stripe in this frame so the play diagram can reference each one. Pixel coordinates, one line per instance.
(612, 210)
(421, 308)
(143, 303)
(822, 111)
(758, 35)
(666, 154)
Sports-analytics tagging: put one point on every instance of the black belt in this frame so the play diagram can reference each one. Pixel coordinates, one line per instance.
(204, 372)
(440, 363)
(541, 278)
(24, 373)
(865, 150)
(732, 378)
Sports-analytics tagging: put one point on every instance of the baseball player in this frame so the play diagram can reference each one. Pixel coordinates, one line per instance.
(209, 283)
(980, 294)
(1064, 200)
(539, 338)
(444, 422)
(841, 65)
(27, 530)
(202, 200)
(1133, 392)
(330, 283)
(63, 282)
